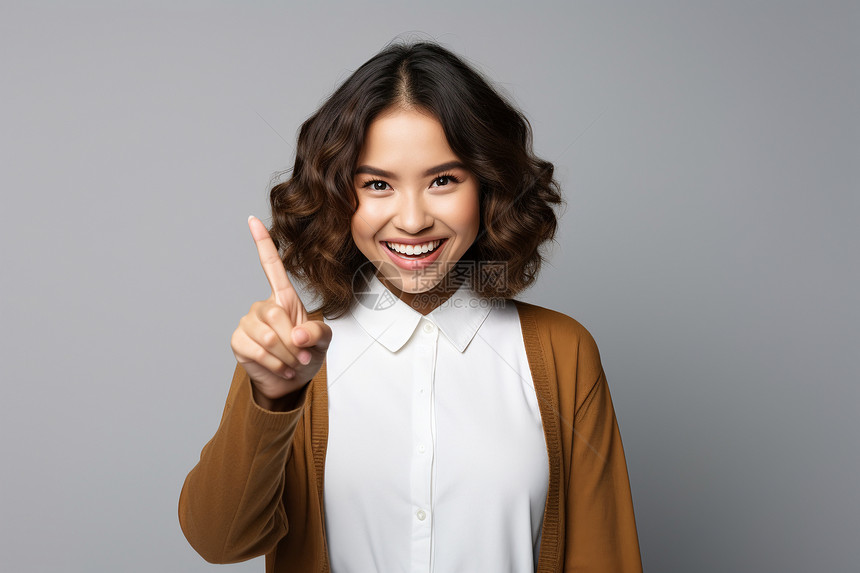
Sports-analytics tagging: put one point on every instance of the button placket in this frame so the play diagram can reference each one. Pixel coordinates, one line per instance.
(422, 440)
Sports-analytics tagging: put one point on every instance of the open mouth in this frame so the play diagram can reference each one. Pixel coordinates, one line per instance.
(419, 251)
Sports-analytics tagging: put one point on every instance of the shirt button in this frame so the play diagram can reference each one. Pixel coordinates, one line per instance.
(421, 515)
(428, 328)
(422, 449)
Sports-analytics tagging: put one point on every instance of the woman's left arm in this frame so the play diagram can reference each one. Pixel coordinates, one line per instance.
(600, 527)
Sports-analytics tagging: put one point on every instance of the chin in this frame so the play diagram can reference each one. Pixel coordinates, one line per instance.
(412, 286)
(411, 282)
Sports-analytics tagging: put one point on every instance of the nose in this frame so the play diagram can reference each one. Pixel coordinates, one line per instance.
(412, 215)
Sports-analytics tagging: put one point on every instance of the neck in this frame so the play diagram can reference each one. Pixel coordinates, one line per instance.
(425, 302)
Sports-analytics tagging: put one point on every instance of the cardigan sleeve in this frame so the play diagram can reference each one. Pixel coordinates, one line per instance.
(601, 530)
(589, 526)
(231, 506)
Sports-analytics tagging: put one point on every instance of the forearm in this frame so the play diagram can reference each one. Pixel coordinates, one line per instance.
(230, 508)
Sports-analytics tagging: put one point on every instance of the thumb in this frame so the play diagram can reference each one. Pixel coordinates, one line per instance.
(313, 333)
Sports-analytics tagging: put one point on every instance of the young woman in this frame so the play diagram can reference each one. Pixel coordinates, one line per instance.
(420, 419)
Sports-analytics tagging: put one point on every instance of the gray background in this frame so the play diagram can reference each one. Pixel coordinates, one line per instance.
(709, 156)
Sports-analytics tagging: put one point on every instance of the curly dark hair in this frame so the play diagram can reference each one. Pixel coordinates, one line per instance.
(311, 211)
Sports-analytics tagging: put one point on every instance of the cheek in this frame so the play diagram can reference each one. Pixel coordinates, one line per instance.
(471, 218)
(363, 232)
(356, 226)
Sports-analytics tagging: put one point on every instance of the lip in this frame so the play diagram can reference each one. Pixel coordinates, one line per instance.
(413, 241)
(414, 264)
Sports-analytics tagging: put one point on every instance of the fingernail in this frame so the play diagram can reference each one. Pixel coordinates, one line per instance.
(300, 336)
(304, 357)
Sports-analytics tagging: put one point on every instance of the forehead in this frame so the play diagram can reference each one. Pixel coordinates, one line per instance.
(405, 137)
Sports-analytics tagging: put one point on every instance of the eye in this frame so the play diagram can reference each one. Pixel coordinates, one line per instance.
(376, 185)
(444, 180)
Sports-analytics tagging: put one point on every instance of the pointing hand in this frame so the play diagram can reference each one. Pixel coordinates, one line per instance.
(275, 342)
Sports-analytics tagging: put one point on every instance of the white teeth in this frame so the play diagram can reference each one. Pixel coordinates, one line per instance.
(414, 249)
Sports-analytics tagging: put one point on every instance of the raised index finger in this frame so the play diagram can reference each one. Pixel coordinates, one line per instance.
(282, 288)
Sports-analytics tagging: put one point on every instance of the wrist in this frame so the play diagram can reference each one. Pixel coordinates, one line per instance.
(285, 403)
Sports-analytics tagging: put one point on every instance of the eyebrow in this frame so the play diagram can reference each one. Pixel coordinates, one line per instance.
(367, 169)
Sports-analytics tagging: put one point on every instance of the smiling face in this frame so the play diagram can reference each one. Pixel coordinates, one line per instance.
(418, 209)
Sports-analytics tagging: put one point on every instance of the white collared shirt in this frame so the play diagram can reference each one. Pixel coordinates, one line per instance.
(436, 458)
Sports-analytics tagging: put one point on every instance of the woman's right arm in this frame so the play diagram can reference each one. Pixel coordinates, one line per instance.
(231, 505)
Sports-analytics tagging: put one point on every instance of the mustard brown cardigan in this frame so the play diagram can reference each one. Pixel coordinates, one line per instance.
(258, 488)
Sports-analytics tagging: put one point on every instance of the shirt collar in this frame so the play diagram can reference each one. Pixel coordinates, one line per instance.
(391, 321)
(460, 317)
